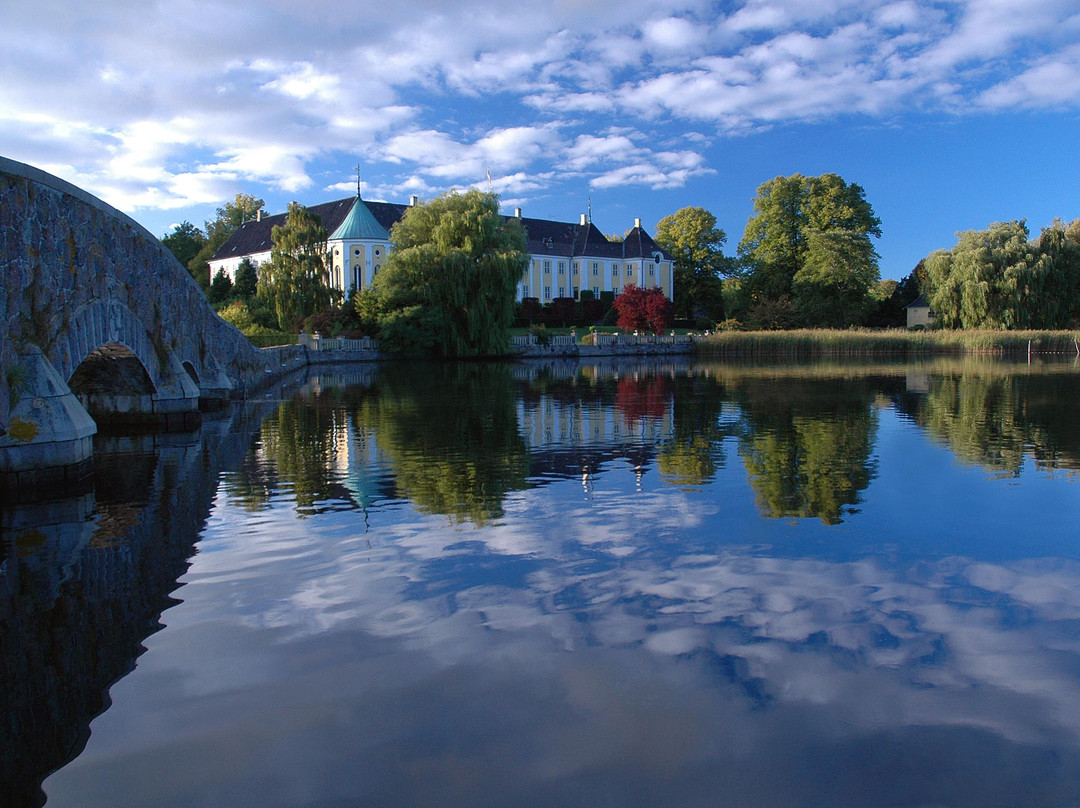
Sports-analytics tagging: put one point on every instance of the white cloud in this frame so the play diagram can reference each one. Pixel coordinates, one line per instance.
(674, 34)
(135, 98)
(1054, 81)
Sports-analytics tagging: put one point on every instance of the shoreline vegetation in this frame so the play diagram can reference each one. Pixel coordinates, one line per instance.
(838, 343)
(896, 343)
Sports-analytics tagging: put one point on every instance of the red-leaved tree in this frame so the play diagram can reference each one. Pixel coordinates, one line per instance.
(643, 309)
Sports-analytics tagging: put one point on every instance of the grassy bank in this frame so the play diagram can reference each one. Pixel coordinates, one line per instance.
(809, 344)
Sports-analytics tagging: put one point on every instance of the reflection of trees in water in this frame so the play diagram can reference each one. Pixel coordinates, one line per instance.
(695, 449)
(301, 439)
(452, 442)
(995, 420)
(807, 444)
(447, 434)
(450, 433)
(641, 396)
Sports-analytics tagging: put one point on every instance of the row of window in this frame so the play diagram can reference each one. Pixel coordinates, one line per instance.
(595, 269)
(356, 251)
(574, 291)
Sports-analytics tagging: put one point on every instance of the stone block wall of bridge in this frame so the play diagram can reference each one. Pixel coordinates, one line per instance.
(80, 275)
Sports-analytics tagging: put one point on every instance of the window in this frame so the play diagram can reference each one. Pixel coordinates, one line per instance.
(576, 265)
(378, 252)
(356, 251)
(575, 294)
(547, 292)
(562, 267)
(547, 267)
(562, 291)
(614, 270)
(651, 272)
(596, 292)
(595, 268)
(524, 291)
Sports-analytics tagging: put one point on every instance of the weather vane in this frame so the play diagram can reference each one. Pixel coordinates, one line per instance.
(357, 180)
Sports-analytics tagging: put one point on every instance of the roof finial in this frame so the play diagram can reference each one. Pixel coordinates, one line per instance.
(357, 180)
(590, 210)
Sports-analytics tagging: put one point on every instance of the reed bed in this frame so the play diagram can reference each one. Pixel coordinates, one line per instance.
(896, 343)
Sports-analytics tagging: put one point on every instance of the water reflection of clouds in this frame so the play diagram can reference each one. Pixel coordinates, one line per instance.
(650, 679)
(882, 642)
(572, 649)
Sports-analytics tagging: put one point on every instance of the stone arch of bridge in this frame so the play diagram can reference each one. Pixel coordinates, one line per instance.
(192, 372)
(112, 339)
(101, 323)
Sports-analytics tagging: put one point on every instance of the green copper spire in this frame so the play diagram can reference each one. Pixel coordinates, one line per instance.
(360, 225)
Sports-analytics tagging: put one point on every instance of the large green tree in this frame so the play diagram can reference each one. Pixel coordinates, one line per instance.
(448, 287)
(1001, 278)
(247, 279)
(230, 216)
(694, 241)
(184, 241)
(809, 251)
(295, 281)
(835, 286)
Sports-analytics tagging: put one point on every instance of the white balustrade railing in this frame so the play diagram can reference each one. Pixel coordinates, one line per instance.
(317, 342)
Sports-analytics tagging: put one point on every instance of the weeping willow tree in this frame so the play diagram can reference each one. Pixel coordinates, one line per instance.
(449, 285)
(1001, 278)
(295, 281)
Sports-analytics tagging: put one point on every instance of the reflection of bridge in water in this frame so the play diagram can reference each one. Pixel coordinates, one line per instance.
(84, 580)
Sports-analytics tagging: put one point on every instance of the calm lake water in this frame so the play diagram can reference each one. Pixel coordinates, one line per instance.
(564, 585)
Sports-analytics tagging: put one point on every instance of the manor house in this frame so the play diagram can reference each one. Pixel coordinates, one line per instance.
(565, 258)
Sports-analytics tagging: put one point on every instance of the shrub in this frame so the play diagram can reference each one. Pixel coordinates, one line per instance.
(541, 333)
(704, 324)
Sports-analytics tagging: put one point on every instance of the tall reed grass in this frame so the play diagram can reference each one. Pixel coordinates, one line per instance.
(897, 343)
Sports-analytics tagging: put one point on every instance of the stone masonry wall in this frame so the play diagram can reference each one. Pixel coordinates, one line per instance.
(76, 271)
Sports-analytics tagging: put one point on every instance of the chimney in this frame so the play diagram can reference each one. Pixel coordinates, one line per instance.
(584, 220)
(258, 215)
(637, 223)
(414, 200)
(517, 213)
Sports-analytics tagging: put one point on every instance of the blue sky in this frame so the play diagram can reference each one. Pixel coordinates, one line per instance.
(951, 114)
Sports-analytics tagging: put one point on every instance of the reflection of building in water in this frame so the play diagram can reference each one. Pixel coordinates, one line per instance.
(576, 436)
(354, 460)
(549, 424)
(360, 376)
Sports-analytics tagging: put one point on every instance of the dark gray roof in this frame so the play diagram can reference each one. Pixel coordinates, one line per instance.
(918, 303)
(544, 237)
(639, 244)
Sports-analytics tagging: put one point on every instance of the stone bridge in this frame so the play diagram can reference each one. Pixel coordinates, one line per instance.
(99, 321)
